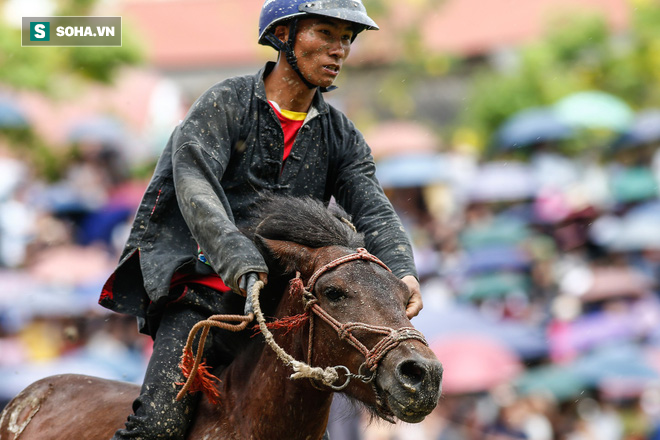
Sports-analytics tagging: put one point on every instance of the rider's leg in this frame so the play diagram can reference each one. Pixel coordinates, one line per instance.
(157, 413)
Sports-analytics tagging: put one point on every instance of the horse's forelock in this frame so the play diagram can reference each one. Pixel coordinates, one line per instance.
(306, 221)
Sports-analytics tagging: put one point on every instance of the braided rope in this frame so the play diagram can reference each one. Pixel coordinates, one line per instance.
(301, 370)
(361, 254)
(213, 321)
(390, 341)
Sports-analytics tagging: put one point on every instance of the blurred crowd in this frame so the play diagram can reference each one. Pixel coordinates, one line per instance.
(59, 241)
(538, 259)
(539, 263)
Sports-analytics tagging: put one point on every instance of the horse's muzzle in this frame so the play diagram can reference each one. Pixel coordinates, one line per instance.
(413, 389)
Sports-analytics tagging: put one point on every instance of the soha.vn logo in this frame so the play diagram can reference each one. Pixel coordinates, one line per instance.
(39, 31)
(85, 31)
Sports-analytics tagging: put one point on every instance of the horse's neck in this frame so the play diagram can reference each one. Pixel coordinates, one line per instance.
(260, 401)
(278, 407)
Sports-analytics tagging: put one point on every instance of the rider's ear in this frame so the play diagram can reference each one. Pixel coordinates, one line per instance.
(282, 33)
(286, 254)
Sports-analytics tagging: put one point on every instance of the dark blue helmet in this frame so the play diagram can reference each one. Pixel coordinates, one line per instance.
(274, 12)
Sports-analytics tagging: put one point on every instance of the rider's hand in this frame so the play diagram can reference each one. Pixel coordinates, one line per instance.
(415, 301)
(243, 281)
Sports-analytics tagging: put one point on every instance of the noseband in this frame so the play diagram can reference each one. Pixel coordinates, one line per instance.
(391, 337)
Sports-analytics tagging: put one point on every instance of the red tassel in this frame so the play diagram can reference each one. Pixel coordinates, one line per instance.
(290, 323)
(204, 381)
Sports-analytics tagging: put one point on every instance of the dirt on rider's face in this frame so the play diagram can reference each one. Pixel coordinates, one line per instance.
(322, 46)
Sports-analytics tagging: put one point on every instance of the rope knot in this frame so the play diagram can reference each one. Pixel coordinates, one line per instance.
(296, 285)
(308, 300)
(371, 363)
(344, 331)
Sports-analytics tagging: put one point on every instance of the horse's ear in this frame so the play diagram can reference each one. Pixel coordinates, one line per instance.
(290, 256)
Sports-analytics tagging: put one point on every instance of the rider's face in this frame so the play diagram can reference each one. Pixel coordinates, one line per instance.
(322, 45)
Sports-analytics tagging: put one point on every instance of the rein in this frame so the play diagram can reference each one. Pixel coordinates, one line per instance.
(328, 375)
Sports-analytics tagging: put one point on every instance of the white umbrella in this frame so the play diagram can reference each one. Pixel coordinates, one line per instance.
(503, 181)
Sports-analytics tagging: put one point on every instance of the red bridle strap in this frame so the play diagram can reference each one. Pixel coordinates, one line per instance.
(361, 254)
(391, 337)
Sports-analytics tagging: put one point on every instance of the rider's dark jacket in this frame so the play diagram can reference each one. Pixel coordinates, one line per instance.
(219, 160)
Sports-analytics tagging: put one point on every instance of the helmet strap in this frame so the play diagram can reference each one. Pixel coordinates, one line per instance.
(287, 49)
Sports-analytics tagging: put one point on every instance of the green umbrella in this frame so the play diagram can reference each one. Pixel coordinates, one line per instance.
(634, 184)
(495, 285)
(562, 382)
(594, 110)
(499, 232)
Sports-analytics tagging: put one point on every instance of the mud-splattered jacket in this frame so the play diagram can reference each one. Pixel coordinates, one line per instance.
(225, 153)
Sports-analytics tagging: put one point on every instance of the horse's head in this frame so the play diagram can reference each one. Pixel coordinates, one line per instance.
(357, 321)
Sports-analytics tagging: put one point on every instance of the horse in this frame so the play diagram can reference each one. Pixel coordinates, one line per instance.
(341, 313)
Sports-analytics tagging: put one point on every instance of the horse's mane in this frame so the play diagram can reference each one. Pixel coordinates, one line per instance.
(309, 222)
(306, 221)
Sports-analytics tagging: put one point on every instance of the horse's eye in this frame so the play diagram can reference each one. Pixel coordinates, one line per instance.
(333, 294)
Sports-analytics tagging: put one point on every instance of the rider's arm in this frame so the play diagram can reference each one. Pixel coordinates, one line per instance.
(357, 190)
(203, 149)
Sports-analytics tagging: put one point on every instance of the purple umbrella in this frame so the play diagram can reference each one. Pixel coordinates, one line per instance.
(437, 320)
(497, 258)
(604, 327)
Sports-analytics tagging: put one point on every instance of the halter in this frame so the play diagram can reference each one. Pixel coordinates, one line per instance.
(391, 337)
(193, 368)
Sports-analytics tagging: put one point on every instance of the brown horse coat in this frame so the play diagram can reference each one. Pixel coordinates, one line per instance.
(259, 400)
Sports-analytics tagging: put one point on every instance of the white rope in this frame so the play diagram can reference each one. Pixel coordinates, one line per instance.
(301, 370)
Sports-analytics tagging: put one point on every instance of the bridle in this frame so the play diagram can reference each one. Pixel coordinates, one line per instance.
(391, 337)
(328, 376)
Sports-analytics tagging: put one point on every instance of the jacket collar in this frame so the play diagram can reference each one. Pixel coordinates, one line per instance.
(319, 105)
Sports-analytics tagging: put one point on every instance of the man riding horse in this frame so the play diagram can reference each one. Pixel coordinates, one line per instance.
(271, 132)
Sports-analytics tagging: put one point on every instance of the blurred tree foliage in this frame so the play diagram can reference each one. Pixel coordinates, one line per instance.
(46, 69)
(578, 53)
(414, 62)
(58, 72)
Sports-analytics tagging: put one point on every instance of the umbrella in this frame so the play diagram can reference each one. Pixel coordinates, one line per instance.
(639, 229)
(594, 110)
(562, 382)
(474, 363)
(14, 379)
(502, 181)
(603, 327)
(495, 285)
(105, 130)
(437, 320)
(616, 282)
(500, 232)
(617, 369)
(652, 356)
(412, 171)
(72, 265)
(645, 209)
(396, 138)
(11, 116)
(555, 171)
(634, 184)
(645, 129)
(531, 126)
(497, 258)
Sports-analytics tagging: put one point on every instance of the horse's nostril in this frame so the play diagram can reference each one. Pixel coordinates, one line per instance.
(411, 373)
